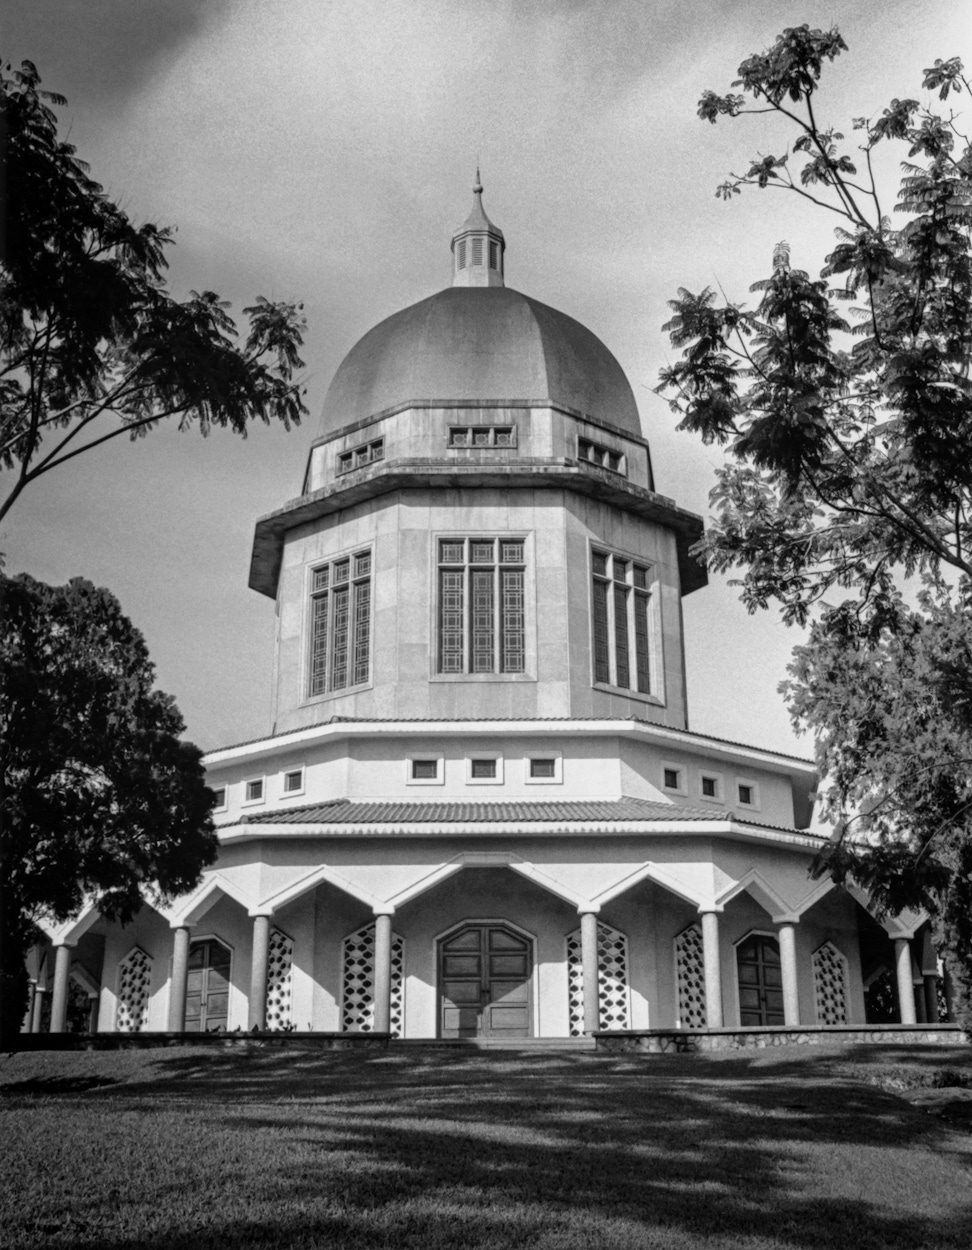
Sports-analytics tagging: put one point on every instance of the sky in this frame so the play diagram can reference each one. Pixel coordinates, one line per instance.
(323, 152)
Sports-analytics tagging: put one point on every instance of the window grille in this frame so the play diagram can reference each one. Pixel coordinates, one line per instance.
(280, 967)
(603, 457)
(477, 251)
(482, 436)
(481, 609)
(134, 982)
(612, 980)
(830, 984)
(621, 622)
(690, 971)
(340, 629)
(358, 983)
(358, 457)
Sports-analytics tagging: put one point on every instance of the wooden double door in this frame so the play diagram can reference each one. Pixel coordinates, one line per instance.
(485, 973)
(760, 981)
(207, 987)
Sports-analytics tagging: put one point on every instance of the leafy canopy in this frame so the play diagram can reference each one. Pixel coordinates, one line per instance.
(844, 406)
(92, 345)
(101, 799)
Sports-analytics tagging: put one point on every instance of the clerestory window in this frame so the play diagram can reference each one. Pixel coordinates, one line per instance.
(621, 606)
(340, 630)
(481, 607)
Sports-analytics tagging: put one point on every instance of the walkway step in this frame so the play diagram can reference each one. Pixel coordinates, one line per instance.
(530, 1045)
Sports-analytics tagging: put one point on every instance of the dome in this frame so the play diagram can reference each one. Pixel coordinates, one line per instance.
(479, 343)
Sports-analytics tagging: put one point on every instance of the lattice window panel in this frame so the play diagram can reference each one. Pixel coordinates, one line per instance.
(280, 967)
(358, 983)
(612, 980)
(134, 982)
(690, 976)
(830, 984)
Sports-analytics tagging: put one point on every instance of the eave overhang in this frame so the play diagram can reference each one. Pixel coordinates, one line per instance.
(440, 474)
(736, 831)
(339, 728)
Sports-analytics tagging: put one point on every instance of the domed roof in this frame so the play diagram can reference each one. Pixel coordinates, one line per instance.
(479, 343)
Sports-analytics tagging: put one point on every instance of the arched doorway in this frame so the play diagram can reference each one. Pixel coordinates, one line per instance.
(207, 986)
(485, 971)
(760, 981)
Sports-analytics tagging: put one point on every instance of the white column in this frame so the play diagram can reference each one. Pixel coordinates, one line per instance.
(589, 970)
(258, 972)
(179, 979)
(37, 1014)
(906, 985)
(786, 935)
(383, 940)
(62, 970)
(713, 969)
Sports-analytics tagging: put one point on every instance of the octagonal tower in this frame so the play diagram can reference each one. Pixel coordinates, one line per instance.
(478, 535)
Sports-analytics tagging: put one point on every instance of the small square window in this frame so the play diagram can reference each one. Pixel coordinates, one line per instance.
(345, 462)
(425, 770)
(481, 437)
(220, 793)
(378, 450)
(504, 437)
(342, 571)
(600, 563)
(746, 795)
(254, 791)
(512, 553)
(483, 770)
(543, 768)
(294, 781)
(710, 787)
(672, 779)
(450, 551)
(481, 553)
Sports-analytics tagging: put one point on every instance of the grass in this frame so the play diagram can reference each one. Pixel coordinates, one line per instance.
(800, 1148)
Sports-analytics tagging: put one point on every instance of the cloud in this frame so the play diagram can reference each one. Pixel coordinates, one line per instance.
(102, 50)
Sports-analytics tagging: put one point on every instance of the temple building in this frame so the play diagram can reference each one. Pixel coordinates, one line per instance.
(481, 811)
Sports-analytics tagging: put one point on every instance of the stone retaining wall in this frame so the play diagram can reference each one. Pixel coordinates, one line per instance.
(676, 1041)
(152, 1040)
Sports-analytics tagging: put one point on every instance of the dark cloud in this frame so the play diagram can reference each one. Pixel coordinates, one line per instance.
(101, 50)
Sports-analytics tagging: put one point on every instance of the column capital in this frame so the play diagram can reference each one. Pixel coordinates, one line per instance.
(787, 917)
(62, 942)
(588, 909)
(383, 909)
(711, 909)
(257, 913)
(182, 924)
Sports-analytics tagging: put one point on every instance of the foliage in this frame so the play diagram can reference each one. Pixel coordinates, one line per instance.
(100, 798)
(844, 406)
(92, 345)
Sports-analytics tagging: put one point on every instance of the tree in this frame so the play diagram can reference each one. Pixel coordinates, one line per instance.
(92, 345)
(100, 798)
(845, 409)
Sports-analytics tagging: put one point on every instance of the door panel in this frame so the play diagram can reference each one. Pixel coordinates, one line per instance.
(484, 981)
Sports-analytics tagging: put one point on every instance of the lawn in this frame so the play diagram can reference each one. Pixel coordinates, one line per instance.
(191, 1148)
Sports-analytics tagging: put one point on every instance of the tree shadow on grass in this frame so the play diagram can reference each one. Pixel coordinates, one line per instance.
(554, 1152)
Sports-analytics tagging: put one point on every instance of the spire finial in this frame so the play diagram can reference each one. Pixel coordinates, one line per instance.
(477, 245)
(478, 188)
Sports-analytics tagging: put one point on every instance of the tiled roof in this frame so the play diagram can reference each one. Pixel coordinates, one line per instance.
(349, 812)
